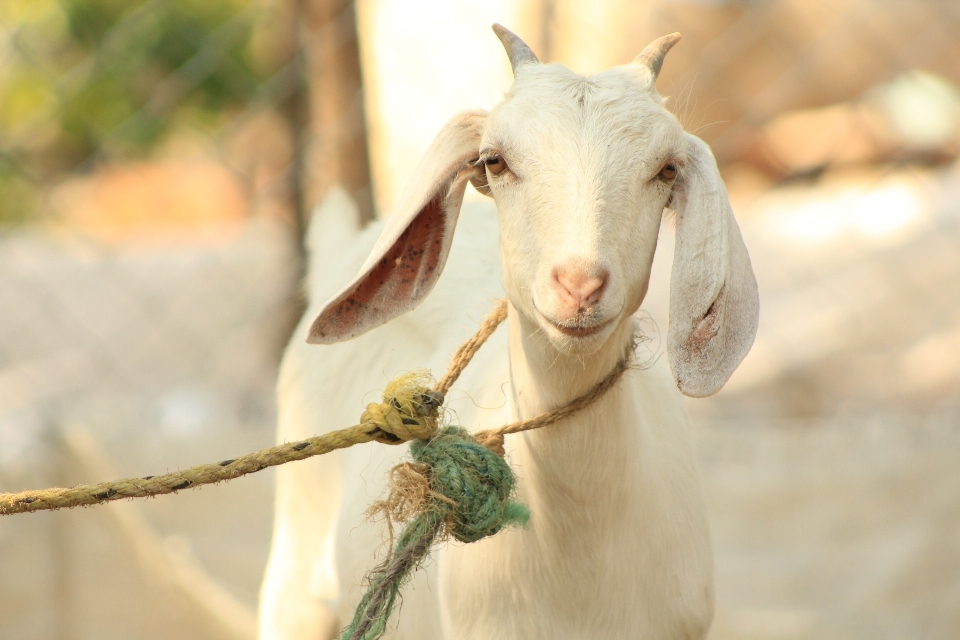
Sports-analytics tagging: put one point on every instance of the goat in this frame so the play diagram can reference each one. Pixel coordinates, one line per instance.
(581, 170)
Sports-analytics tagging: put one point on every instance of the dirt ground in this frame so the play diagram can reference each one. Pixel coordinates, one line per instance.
(835, 529)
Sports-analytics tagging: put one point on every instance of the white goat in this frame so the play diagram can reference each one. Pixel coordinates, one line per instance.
(580, 169)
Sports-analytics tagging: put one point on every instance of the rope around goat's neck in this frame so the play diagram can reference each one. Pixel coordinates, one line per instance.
(468, 349)
(406, 414)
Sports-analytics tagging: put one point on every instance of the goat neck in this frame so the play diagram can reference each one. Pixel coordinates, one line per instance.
(575, 454)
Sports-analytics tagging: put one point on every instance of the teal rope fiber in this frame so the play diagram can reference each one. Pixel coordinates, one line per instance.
(476, 480)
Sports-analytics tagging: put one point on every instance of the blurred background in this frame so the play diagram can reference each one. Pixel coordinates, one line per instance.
(159, 160)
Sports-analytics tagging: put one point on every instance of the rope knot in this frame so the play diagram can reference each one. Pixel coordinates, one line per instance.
(470, 485)
(456, 487)
(409, 410)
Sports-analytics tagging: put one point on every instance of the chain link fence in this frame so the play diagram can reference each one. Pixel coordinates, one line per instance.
(87, 82)
(151, 210)
(741, 65)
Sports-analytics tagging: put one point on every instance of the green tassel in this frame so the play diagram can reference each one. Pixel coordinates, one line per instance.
(479, 482)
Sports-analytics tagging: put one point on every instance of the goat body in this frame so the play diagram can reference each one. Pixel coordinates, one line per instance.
(618, 543)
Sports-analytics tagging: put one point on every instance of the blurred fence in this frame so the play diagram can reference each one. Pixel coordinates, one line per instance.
(156, 161)
(763, 58)
(742, 64)
(90, 82)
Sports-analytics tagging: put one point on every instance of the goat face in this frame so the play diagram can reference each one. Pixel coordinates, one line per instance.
(581, 169)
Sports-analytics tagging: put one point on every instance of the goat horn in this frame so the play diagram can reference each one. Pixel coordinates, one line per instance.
(517, 50)
(652, 56)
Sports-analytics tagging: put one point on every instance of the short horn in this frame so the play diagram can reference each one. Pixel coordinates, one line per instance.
(517, 50)
(652, 56)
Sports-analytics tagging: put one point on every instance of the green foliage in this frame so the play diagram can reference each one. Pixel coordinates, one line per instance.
(18, 197)
(105, 79)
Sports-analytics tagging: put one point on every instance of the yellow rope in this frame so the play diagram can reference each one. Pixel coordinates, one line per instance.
(468, 349)
(555, 415)
(409, 411)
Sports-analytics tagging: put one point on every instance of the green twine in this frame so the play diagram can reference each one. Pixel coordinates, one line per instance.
(478, 481)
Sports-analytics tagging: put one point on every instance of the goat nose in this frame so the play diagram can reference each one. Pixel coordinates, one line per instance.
(581, 287)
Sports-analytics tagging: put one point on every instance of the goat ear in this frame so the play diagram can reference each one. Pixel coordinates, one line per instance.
(714, 304)
(406, 261)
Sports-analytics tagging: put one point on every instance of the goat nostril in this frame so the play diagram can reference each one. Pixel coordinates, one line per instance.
(581, 287)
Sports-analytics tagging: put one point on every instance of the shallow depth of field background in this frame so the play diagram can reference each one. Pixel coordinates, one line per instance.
(158, 163)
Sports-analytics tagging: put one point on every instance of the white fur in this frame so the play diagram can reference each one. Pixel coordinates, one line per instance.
(618, 544)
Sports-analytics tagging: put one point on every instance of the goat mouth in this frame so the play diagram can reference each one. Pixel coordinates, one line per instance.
(576, 329)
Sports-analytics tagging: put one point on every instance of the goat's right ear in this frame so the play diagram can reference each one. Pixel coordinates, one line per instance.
(405, 263)
(714, 304)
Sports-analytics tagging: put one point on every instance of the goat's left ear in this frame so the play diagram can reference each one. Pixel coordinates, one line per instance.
(714, 303)
(405, 263)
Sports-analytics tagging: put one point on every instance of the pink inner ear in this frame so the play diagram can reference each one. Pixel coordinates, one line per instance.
(707, 327)
(395, 284)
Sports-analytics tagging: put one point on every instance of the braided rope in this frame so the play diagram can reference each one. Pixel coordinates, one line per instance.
(577, 404)
(409, 412)
(468, 349)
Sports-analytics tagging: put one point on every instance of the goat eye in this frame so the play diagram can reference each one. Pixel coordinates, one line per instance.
(495, 165)
(668, 173)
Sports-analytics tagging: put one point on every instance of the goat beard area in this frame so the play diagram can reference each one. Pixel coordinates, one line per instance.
(578, 346)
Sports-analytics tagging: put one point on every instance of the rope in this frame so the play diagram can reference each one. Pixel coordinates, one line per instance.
(458, 485)
(468, 349)
(555, 415)
(455, 488)
(409, 411)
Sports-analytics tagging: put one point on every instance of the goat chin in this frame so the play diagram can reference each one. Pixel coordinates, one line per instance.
(618, 544)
